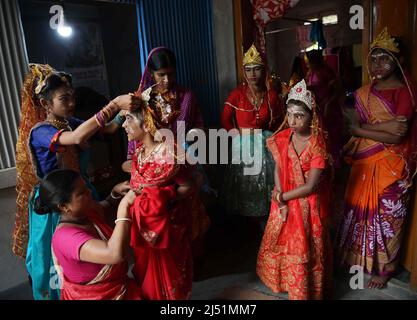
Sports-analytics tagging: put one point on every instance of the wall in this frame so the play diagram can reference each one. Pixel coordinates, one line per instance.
(117, 25)
(224, 47)
(284, 44)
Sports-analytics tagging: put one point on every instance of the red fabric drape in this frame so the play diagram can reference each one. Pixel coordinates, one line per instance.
(265, 11)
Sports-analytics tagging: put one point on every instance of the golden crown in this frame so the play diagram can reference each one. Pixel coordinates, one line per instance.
(385, 41)
(252, 56)
(299, 92)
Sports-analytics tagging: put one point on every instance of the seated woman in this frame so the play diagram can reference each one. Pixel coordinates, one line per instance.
(88, 255)
(161, 213)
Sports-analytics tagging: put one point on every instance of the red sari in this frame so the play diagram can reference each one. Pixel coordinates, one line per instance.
(295, 256)
(160, 229)
(111, 283)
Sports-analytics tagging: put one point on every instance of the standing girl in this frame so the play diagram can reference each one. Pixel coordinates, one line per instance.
(161, 216)
(382, 153)
(295, 253)
(253, 105)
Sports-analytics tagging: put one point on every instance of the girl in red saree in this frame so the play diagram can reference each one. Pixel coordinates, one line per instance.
(382, 153)
(295, 253)
(170, 105)
(161, 217)
(88, 255)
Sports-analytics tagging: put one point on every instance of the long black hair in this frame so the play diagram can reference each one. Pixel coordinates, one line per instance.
(162, 59)
(55, 189)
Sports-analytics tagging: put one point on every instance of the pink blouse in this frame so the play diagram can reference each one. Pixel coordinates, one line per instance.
(66, 244)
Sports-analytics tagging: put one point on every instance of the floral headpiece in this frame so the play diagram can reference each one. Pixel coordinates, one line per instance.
(299, 92)
(252, 56)
(385, 41)
(148, 113)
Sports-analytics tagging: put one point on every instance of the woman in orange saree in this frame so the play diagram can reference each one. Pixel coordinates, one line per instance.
(161, 215)
(381, 154)
(295, 253)
(88, 254)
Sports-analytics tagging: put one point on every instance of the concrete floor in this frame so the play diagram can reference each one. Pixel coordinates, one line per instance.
(225, 272)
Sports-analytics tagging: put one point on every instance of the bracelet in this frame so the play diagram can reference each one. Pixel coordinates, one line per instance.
(117, 106)
(116, 198)
(123, 219)
(107, 113)
(119, 119)
(278, 197)
(99, 118)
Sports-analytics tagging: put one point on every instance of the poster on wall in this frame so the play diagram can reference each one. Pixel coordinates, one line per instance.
(85, 59)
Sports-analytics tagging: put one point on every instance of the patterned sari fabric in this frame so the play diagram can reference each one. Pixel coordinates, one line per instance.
(295, 255)
(377, 194)
(160, 229)
(251, 193)
(111, 283)
(26, 175)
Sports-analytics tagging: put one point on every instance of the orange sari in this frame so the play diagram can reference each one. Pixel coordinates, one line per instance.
(295, 256)
(377, 193)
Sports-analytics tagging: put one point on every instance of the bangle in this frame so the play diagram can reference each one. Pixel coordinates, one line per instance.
(123, 219)
(119, 119)
(107, 113)
(117, 106)
(116, 198)
(100, 120)
(278, 197)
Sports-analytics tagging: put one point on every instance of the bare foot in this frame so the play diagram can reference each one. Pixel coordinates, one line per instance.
(378, 282)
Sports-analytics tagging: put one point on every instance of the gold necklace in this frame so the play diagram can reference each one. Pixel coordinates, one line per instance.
(256, 104)
(59, 124)
(154, 150)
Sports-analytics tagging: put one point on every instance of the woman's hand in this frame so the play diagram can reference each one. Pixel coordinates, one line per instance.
(128, 102)
(121, 188)
(283, 212)
(125, 203)
(396, 127)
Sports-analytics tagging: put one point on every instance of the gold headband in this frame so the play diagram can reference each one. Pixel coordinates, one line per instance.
(40, 72)
(385, 41)
(252, 56)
